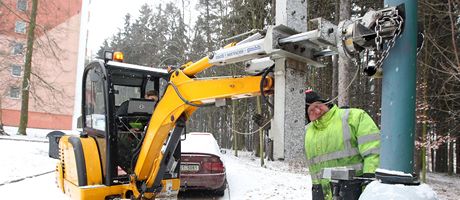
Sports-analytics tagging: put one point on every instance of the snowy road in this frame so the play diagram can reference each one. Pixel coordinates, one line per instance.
(246, 180)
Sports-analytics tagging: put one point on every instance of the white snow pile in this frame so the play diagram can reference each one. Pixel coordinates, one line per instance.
(380, 191)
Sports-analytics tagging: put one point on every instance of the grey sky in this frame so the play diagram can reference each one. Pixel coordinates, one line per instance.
(107, 16)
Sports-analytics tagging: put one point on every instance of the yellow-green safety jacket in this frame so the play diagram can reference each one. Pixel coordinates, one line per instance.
(341, 138)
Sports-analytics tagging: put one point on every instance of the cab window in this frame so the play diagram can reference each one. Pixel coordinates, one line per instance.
(95, 112)
(125, 93)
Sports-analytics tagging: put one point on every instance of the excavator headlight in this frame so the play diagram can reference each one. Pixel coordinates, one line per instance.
(108, 55)
(115, 56)
(118, 56)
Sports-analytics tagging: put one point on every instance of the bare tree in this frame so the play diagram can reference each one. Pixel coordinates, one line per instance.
(438, 88)
(344, 64)
(45, 92)
(27, 70)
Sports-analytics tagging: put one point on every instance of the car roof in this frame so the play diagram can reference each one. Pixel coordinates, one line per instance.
(200, 142)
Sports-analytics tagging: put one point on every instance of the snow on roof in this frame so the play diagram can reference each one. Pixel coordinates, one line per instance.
(138, 67)
(200, 142)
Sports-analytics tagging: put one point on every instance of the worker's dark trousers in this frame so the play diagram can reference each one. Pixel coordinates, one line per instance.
(317, 192)
(344, 190)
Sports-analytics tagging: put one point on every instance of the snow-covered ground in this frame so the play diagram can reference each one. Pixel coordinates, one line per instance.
(21, 161)
(446, 187)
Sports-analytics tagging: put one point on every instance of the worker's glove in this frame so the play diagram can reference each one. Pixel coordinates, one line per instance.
(258, 119)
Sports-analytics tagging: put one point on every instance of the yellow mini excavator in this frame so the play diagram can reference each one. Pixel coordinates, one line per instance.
(129, 146)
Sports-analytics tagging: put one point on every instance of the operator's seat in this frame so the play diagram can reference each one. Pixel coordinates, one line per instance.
(136, 106)
(132, 117)
(122, 109)
(135, 110)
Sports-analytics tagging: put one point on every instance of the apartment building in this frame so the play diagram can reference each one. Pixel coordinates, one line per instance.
(54, 61)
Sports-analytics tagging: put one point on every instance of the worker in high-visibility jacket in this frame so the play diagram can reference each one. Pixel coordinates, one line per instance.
(337, 137)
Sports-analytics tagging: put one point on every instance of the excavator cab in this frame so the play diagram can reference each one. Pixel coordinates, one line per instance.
(116, 114)
(115, 117)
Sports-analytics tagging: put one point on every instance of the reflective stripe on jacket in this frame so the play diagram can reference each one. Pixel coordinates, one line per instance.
(342, 138)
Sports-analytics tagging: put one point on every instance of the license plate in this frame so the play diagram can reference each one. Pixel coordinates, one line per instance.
(189, 168)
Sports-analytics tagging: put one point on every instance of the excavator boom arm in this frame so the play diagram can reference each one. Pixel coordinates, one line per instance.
(172, 107)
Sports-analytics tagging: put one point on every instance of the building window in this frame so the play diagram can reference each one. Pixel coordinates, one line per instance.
(16, 70)
(14, 92)
(17, 48)
(20, 27)
(22, 5)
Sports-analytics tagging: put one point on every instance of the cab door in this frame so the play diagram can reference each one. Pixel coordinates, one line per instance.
(96, 116)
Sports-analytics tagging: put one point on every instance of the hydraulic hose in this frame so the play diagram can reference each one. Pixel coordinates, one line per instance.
(262, 83)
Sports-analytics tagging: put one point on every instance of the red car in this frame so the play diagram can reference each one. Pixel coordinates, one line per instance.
(201, 167)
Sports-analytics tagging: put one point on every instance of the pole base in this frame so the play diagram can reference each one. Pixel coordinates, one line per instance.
(391, 178)
(377, 190)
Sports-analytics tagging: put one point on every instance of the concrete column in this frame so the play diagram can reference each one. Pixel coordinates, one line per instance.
(288, 125)
(277, 124)
(293, 14)
(288, 122)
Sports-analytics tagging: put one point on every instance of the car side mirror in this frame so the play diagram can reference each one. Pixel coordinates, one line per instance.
(223, 151)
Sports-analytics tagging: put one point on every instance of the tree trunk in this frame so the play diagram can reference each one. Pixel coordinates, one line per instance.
(457, 153)
(450, 168)
(344, 64)
(273, 11)
(256, 142)
(441, 159)
(432, 158)
(27, 70)
(423, 153)
(2, 131)
(235, 135)
(418, 159)
(335, 58)
(424, 131)
(210, 128)
(335, 74)
(260, 139)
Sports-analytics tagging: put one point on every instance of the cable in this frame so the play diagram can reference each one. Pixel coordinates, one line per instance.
(348, 87)
(127, 128)
(185, 100)
(250, 133)
(262, 81)
(264, 98)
